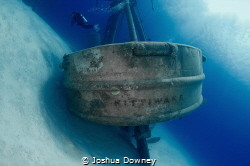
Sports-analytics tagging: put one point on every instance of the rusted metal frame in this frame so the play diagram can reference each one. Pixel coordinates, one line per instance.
(120, 25)
(141, 133)
(113, 28)
(138, 25)
(131, 26)
(110, 30)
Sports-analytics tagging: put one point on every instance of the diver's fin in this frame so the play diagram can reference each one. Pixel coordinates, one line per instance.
(96, 27)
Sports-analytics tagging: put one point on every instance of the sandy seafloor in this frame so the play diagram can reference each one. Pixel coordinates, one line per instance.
(35, 126)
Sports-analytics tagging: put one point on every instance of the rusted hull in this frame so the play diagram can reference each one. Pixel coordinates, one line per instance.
(135, 83)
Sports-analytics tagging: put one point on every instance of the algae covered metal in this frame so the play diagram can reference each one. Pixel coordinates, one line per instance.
(134, 83)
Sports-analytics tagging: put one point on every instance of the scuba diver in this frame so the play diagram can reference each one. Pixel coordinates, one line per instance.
(79, 19)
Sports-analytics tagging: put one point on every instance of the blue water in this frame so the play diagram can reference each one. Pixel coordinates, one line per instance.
(217, 134)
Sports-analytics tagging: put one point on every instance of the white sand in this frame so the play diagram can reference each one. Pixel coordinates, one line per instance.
(168, 151)
(35, 126)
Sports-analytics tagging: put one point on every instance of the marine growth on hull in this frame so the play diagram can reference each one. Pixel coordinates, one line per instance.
(136, 83)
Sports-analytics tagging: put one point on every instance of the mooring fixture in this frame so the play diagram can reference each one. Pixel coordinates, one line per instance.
(134, 83)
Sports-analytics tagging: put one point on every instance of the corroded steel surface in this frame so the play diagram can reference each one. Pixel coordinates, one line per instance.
(134, 83)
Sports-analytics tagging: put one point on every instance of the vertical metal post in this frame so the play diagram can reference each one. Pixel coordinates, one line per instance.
(131, 26)
(141, 133)
(138, 25)
(114, 28)
(111, 27)
(120, 25)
